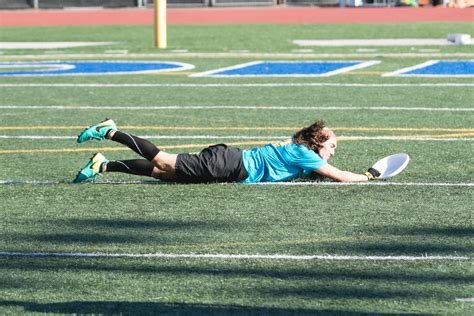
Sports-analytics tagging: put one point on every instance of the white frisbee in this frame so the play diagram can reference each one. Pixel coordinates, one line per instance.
(392, 165)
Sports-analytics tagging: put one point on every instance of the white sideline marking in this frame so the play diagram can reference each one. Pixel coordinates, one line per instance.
(231, 256)
(48, 45)
(231, 85)
(395, 138)
(233, 107)
(466, 300)
(378, 42)
(242, 55)
(308, 183)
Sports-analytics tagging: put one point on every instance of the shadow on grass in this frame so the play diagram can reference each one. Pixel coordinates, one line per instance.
(315, 271)
(348, 292)
(440, 231)
(123, 231)
(271, 283)
(400, 240)
(165, 233)
(140, 224)
(393, 248)
(152, 308)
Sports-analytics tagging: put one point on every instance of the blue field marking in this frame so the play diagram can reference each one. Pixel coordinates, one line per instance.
(438, 68)
(71, 68)
(287, 69)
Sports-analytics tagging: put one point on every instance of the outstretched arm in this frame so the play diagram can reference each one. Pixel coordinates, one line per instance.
(341, 175)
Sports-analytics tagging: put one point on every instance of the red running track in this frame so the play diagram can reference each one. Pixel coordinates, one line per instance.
(285, 15)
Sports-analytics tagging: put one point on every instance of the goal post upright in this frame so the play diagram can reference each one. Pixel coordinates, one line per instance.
(160, 23)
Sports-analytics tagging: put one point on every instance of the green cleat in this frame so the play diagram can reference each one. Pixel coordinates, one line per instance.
(92, 170)
(97, 131)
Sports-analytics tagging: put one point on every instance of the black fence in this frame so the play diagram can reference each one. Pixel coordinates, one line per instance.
(59, 4)
(15, 4)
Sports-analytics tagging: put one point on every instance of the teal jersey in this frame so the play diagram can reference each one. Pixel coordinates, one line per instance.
(272, 163)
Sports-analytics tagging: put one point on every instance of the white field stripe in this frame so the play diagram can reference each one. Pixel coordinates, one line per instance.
(341, 138)
(232, 85)
(465, 300)
(308, 183)
(232, 256)
(234, 107)
(241, 55)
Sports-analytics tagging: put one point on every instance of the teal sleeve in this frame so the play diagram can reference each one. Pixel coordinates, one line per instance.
(309, 160)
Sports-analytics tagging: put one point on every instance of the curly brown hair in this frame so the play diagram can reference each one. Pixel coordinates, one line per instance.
(312, 136)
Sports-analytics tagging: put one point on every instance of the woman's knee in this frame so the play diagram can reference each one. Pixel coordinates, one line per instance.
(165, 165)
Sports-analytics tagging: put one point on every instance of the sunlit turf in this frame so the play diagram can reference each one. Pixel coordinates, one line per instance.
(234, 218)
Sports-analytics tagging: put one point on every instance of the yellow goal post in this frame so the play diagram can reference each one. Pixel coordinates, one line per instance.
(160, 23)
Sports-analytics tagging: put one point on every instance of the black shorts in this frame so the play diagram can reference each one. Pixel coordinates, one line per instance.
(218, 163)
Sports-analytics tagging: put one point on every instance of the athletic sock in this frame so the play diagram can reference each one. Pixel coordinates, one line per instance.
(139, 145)
(139, 167)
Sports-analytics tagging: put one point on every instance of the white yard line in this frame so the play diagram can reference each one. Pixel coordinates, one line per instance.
(235, 107)
(394, 138)
(232, 256)
(308, 183)
(232, 85)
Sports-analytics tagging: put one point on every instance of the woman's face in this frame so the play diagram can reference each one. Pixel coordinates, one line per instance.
(329, 148)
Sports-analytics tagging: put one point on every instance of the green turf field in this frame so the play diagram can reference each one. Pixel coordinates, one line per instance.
(427, 212)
